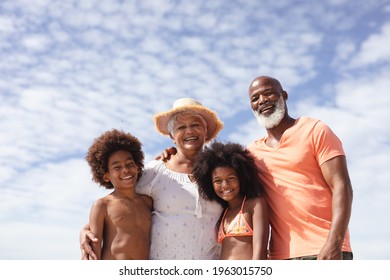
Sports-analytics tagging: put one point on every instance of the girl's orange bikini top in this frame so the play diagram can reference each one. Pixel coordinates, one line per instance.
(238, 227)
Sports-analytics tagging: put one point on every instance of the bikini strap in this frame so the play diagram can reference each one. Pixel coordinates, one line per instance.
(242, 205)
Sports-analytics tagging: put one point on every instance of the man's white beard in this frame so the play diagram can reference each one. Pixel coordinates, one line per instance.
(273, 120)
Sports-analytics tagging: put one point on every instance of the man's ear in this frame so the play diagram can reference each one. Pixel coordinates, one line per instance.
(285, 95)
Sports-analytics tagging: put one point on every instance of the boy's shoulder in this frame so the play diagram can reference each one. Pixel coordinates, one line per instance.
(147, 200)
(103, 200)
(101, 204)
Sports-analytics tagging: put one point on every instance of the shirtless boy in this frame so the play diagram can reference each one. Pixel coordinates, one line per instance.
(121, 220)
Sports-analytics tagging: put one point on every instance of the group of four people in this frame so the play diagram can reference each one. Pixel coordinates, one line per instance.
(287, 195)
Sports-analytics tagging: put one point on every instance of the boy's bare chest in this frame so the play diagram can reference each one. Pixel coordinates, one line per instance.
(125, 213)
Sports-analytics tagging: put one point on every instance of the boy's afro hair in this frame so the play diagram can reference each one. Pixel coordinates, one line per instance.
(107, 144)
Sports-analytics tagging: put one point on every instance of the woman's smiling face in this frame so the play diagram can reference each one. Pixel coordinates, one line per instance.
(189, 133)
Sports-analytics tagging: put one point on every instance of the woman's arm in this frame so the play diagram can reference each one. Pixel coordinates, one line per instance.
(85, 238)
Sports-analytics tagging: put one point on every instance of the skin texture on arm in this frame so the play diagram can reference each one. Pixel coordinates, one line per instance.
(336, 175)
(96, 222)
(86, 238)
(166, 154)
(260, 222)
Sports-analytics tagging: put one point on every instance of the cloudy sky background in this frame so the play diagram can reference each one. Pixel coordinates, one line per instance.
(72, 69)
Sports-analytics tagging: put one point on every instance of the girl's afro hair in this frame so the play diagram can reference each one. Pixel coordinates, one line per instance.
(233, 155)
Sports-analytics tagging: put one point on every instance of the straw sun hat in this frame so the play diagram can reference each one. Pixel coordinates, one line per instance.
(214, 125)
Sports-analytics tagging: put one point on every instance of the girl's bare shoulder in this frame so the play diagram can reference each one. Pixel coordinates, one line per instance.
(253, 202)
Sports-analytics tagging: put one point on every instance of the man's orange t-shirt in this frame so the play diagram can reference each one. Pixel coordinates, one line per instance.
(299, 198)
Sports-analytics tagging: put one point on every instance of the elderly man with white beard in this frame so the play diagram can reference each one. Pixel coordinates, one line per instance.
(303, 167)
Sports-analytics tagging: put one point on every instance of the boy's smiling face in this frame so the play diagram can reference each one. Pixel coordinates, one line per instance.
(122, 170)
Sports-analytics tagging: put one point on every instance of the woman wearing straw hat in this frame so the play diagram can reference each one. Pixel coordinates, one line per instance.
(183, 223)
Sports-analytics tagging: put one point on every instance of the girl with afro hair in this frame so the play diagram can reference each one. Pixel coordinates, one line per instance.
(121, 220)
(227, 173)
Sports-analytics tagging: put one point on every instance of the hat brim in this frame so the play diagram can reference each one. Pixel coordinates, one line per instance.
(214, 125)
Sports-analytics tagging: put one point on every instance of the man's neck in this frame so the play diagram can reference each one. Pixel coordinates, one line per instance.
(276, 133)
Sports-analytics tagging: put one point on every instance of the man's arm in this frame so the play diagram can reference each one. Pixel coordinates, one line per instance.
(336, 175)
(166, 154)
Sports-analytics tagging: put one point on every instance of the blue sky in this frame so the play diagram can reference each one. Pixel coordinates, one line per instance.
(72, 69)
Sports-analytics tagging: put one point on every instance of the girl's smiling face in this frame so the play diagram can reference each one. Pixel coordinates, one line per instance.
(226, 183)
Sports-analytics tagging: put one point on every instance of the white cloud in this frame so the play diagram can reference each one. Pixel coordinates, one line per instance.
(374, 49)
(7, 25)
(194, 44)
(354, 96)
(344, 50)
(36, 42)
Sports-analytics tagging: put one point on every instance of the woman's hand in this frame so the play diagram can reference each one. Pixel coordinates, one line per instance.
(86, 236)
